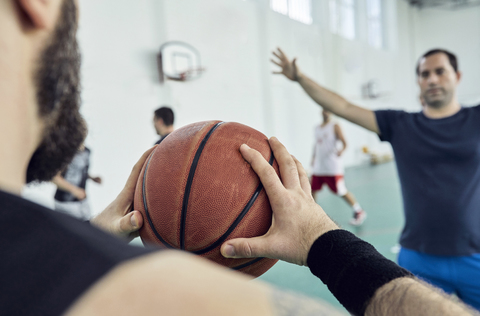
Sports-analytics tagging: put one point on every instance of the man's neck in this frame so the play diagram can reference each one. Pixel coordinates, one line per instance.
(19, 132)
(443, 112)
(166, 130)
(13, 162)
(326, 122)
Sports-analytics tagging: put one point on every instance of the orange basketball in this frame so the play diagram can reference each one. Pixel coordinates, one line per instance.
(196, 191)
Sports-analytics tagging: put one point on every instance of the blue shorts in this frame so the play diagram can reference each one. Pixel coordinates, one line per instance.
(458, 275)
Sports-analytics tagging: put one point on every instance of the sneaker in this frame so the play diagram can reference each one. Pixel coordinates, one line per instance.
(358, 218)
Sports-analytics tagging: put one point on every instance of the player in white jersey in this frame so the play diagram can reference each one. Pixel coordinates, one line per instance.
(327, 165)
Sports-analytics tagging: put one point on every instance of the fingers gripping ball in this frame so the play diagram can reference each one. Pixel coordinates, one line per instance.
(196, 191)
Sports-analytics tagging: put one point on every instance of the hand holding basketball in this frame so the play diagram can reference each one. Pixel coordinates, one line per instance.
(119, 218)
(297, 220)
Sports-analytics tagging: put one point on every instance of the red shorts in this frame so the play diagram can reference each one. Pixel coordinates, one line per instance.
(335, 183)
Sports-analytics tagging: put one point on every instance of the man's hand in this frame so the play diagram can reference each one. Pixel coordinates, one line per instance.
(289, 68)
(79, 193)
(96, 179)
(297, 220)
(118, 218)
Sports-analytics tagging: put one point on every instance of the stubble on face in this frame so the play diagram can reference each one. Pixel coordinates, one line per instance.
(57, 81)
(439, 92)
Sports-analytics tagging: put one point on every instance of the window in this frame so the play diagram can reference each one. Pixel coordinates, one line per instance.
(299, 10)
(342, 18)
(374, 16)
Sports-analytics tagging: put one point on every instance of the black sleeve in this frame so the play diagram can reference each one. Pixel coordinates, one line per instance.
(386, 120)
(50, 259)
(351, 268)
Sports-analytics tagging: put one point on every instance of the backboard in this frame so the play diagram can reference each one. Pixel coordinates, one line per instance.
(179, 61)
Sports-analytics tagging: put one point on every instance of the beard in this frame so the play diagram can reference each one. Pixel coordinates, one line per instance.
(57, 80)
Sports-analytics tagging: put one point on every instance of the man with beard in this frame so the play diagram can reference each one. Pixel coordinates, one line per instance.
(54, 264)
(438, 159)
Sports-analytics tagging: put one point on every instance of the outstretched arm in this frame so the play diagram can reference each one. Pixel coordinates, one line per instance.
(303, 234)
(327, 99)
(177, 283)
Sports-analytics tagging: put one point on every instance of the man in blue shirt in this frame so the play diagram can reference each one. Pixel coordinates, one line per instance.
(438, 159)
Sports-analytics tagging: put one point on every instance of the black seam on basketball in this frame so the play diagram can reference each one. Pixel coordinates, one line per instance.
(188, 186)
(247, 264)
(144, 196)
(239, 218)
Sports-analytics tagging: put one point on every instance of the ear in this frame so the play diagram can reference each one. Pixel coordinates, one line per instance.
(42, 13)
(459, 76)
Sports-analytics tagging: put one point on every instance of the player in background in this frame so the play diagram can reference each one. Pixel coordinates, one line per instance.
(71, 197)
(438, 163)
(163, 120)
(327, 166)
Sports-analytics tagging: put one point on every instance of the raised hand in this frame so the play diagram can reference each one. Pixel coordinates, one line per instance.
(297, 220)
(289, 68)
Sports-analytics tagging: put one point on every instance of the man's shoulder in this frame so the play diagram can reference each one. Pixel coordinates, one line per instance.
(395, 112)
(55, 256)
(474, 108)
(394, 115)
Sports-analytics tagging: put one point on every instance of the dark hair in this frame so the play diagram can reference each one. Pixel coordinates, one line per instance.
(451, 57)
(166, 114)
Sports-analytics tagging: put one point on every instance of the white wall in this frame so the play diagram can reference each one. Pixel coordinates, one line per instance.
(120, 39)
(459, 32)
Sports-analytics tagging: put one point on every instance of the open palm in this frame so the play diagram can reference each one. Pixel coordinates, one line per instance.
(289, 68)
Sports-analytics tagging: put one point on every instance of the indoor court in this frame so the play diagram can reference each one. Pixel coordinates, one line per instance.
(378, 100)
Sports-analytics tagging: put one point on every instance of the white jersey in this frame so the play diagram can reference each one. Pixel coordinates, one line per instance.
(327, 162)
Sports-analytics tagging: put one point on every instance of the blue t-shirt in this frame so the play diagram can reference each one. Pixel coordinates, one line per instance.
(438, 163)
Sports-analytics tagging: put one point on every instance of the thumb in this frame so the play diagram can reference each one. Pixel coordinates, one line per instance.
(131, 222)
(245, 248)
(295, 70)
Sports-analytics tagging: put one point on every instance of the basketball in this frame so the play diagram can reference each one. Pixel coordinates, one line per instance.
(195, 191)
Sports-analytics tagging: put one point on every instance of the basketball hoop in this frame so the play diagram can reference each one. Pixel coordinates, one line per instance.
(187, 75)
(179, 61)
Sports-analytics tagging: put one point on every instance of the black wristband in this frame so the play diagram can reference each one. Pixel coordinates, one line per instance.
(351, 268)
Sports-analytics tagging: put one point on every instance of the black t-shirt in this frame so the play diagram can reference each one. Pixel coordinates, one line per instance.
(76, 173)
(161, 139)
(49, 259)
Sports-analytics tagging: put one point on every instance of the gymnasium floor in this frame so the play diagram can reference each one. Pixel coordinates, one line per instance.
(378, 191)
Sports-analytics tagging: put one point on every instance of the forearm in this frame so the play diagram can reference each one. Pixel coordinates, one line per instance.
(63, 184)
(162, 281)
(337, 104)
(327, 99)
(407, 296)
(367, 283)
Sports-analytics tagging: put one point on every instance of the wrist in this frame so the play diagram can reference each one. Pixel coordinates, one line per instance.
(319, 228)
(351, 268)
(299, 77)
